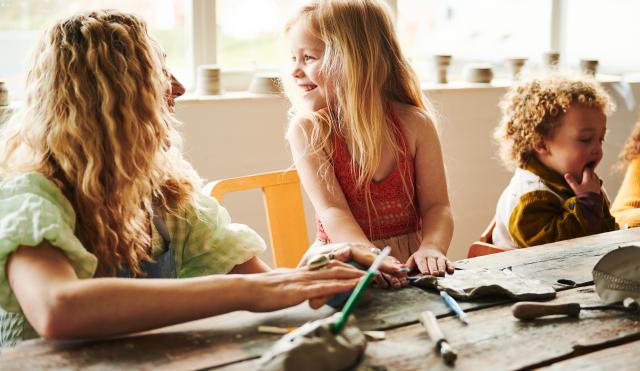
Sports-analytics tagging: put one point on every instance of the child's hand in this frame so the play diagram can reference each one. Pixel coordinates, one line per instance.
(430, 260)
(590, 182)
(392, 272)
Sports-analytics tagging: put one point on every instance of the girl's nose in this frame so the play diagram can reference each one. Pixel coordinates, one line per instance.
(296, 71)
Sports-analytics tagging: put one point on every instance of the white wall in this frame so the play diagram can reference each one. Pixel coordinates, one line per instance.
(238, 135)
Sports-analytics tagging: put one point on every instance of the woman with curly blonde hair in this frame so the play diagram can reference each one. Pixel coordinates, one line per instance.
(95, 187)
(626, 206)
(552, 130)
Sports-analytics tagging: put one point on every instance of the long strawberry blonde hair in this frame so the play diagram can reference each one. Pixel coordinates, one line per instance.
(363, 61)
(96, 122)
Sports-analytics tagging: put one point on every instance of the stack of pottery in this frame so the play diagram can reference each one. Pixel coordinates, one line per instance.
(551, 60)
(515, 66)
(442, 65)
(266, 83)
(4, 94)
(208, 80)
(589, 66)
(479, 73)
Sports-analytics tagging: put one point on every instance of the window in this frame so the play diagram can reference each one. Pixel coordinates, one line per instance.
(607, 32)
(250, 33)
(247, 34)
(485, 31)
(23, 21)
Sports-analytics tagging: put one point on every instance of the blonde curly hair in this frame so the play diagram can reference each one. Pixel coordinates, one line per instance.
(631, 149)
(96, 122)
(532, 109)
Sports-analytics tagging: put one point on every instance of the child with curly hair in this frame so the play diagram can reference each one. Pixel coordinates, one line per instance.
(626, 207)
(552, 130)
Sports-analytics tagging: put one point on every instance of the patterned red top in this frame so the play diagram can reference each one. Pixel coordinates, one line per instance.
(394, 204)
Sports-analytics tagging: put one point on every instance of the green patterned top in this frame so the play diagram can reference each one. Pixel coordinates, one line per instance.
(33, 209)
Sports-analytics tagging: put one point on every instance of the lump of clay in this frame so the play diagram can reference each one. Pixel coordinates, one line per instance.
(314, 347)
(477, 283)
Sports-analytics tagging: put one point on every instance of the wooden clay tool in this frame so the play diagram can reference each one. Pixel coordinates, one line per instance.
(430, 323)
(532, 310)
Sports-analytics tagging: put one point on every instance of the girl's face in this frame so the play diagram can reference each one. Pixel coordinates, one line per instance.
(576, 143)
(307, 52)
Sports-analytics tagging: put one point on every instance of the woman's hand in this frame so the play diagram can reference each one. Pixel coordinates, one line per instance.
(284, 288)
(430, 260)
(392, 272)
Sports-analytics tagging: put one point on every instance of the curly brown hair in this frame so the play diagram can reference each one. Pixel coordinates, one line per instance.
(631, 149)
(532, 109)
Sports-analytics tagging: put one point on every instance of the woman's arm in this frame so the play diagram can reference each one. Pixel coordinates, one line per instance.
(61, 306)
(253, 265)
(433, 198)
(332, 207)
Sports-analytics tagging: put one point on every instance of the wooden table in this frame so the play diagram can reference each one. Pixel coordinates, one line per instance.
(494, 340)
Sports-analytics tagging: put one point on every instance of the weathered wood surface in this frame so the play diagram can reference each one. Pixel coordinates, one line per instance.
(496, 340)
(624, 357)
(230, 339)
(571, 259)
(218, 340)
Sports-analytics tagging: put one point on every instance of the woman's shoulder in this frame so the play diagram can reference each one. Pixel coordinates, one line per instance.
(31, 182)
(36, 185)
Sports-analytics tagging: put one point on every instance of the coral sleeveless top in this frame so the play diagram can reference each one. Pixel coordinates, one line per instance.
(393, 204)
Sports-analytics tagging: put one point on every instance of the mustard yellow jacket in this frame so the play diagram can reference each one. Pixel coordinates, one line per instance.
(539, 207)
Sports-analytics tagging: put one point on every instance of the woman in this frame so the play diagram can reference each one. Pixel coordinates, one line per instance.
(95, 187)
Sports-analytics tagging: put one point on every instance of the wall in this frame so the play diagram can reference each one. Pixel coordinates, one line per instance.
(235, 135)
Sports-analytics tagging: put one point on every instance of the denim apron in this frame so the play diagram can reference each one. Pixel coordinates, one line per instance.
(164, 265)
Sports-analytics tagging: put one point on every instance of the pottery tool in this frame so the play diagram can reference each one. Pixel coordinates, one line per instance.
(532, 310)
(275, 330)
(357, 292)
(455, 308)
(430, 323)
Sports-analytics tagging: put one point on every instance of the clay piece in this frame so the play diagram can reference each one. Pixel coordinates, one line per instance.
(617, 275)
(477, 283)
(313, 346)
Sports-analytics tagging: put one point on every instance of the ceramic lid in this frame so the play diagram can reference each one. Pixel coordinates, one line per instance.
(617, 275)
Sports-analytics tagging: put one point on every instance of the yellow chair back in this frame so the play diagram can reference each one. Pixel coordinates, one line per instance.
(283, 205)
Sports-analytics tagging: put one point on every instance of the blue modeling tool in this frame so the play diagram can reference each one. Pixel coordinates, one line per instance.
(357, 292)
(455, 308)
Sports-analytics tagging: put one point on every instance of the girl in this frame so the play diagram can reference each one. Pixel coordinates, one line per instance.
(363, 140)
(95, 186)
(552, 129)
(626, 206)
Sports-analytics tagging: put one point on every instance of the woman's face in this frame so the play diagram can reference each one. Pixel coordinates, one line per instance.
(176, 90)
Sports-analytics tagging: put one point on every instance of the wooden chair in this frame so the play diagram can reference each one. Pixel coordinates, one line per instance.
(283, 206)
(485, 246)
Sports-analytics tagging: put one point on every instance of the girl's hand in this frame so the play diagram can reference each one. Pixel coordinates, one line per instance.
(590, 182)
(392, 272)
(430, 260)
(284, 288)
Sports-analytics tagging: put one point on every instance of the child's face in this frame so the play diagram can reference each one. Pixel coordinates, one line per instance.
(576, 143)
(306, 62)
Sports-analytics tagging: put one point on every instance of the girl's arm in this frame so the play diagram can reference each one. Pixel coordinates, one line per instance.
(61, 306)
(332, 207)
(433, 198)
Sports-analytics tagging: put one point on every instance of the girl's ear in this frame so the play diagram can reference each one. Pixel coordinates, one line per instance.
(540, 146)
